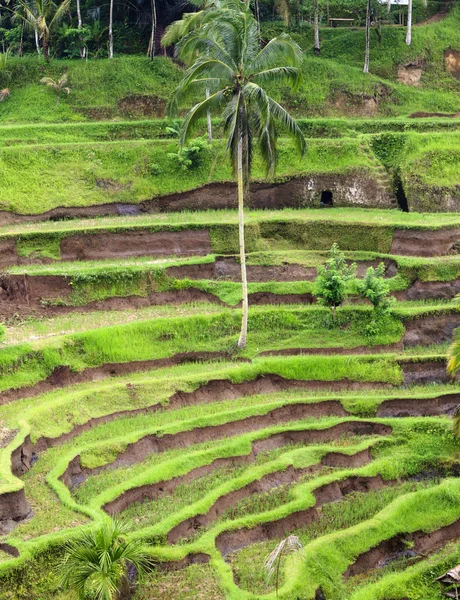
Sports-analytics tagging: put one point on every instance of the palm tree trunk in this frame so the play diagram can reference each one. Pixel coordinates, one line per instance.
(317, 42)
(45, 43)
(368, 35)
(151, 48)
(37, 41)
(79, 26)
(111, 30)
(208, 117)
(409, 24)
(244, 281)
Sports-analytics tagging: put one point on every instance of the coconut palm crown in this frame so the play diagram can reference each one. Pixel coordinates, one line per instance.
(96, 563)
(231, 63)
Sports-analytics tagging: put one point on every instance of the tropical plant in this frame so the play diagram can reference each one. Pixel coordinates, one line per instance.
(4, 94)
(96, 563)
(233, 65)
(330, 284)
(42, 16)
(58, 86)
(273, 562)
(453, 354)
(376, 289)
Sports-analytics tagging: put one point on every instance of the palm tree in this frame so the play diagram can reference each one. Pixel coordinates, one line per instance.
(368, 37)
(59, 85)
(111, 29)
(316, 19)
(188, 27)
(42, 16)
(96, 563)
(409, 21)
(232, 64)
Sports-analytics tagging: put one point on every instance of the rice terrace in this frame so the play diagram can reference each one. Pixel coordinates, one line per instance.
(229, 300)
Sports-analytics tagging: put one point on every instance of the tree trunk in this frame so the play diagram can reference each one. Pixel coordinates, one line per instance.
(368, 36)
(111, 30)
(317, 42)
(257, 14)
(37, 41)
(82, 47)
(409, 24)
(151, 48)
(208, 117)
(46, 53)
(244, 281)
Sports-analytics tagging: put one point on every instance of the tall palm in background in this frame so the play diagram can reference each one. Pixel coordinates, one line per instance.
(95, 565)
(232, 64)
(188, 31)
(42, 16)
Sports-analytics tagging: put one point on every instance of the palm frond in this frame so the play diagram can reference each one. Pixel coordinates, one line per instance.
(196, 113)
(280, 75)
(453, 355)
(288, 123)
(281, 49)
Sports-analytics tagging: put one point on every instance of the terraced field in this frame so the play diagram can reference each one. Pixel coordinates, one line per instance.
(122, 393)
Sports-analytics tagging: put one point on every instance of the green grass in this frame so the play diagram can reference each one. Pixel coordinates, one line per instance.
(132, 171)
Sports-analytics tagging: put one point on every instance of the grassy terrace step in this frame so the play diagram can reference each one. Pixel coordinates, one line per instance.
(97, 131)
(161, 339)
(411, 458)
(204, 233)
(59, 286)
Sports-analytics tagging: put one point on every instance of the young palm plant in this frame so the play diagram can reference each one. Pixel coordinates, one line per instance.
(96, 564)
(232, 64)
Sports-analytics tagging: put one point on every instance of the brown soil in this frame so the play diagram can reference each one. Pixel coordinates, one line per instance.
(428, 330)
(420, 543)
(427, 243)
(411, 73)
(136, 105)
(452, 60)
(12, 550)
(428, 115)
(334, 351)
(230, 541)
(136, 243)
(8, 254)
(426, 372)
(425, 290)
(348, 190)
(13, 506)
(419, 407)
(228, 268)
(34, 307)
(151, 444)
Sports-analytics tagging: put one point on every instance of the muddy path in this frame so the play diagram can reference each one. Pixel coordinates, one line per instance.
(231, 541)
(270, 481)
(137, 451)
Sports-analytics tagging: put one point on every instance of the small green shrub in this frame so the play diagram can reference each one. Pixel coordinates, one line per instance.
(191, 157)
(330, 285)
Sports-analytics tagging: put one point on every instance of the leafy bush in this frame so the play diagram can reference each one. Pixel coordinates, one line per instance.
(330, 285)
(191, 157)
